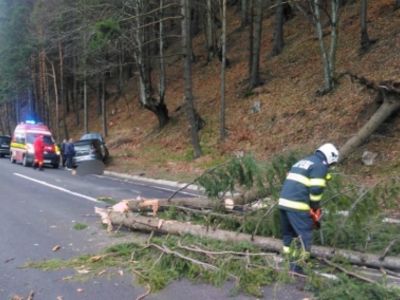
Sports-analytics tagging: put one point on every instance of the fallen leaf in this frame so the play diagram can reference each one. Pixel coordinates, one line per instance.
(56, 248)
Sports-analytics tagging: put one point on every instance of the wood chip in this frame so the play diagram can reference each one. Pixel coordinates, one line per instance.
(56, 248)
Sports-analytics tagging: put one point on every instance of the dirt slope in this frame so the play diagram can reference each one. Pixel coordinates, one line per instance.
(291, 117)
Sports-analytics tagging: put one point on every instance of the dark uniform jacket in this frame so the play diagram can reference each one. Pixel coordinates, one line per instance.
(304, 184)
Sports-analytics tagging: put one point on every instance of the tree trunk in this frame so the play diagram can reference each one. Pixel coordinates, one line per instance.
(85, 105)
(328, 55)
(278, 41)
(255, 66)
(57, 115)
(210, 31)
(162, 62)
(397, 4)
(222, 132)
(388, 107)
(63, 99)
(137, 222)
(365, 41)
(187, 50)
(103, 106)
(251, 33)
(244, 20)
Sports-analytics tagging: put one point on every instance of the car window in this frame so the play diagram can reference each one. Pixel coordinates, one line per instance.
(47, 139)
(90, 136)
(5, 140)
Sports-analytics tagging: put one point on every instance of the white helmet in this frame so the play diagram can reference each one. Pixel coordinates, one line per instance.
(331, 153)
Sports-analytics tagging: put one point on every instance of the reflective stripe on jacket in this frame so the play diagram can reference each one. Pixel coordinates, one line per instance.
(304, 184)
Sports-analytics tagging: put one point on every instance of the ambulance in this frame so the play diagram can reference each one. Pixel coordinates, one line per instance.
(22, 150)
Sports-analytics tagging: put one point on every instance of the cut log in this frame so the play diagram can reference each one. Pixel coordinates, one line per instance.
(137, 222)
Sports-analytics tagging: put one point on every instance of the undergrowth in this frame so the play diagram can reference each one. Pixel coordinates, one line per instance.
(164, 259)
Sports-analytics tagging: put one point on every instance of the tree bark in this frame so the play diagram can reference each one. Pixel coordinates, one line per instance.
(390, 104)
(210, 31)
(187, 50)
(222, 131)
(365, 41)
(57, 115)
(103, 105)
(244, 20)
(255, 61)
(278, 41)
(136, 222)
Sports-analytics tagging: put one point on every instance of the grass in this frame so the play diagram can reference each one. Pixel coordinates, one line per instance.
(80, 226)
(108, 200)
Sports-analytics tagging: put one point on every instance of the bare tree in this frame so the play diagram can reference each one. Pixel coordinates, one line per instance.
(328, 53)
(187, 50)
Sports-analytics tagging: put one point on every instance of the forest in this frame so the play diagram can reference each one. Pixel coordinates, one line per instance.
(224, 94)
(87, 65)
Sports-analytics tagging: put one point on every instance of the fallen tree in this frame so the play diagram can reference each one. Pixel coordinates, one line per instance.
(388, 94)
(152, 224)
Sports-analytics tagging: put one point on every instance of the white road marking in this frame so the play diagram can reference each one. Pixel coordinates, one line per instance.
(133, 181)
(58, 188)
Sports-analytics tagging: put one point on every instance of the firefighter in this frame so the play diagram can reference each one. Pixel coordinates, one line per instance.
(299, 201)
(38, 146)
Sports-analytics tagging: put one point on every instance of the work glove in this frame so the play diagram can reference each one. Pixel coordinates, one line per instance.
(328, 177)
(316, 215)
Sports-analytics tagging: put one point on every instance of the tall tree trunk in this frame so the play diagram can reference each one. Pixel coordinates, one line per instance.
(328, 55)
(75, 105)
(85, 104)
(278, 41)
(187, 50)
(251, 34)
(161, 52)
(63, 100)
(222, 132)
(57, 115)
(103, 106)
(210, 31)
(244, 20)
(255, 66)
(365, 41)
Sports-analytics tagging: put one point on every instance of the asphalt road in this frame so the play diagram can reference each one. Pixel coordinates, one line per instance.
(39, 210)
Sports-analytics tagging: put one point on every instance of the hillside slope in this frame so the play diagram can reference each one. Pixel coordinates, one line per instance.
(291, 117)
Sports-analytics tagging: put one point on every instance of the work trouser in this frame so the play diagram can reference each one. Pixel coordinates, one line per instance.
(69, 161)
(296, 224)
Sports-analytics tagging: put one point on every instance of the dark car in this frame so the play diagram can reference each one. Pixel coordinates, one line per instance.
(86, 150)
(5, 142)
(99, 137)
